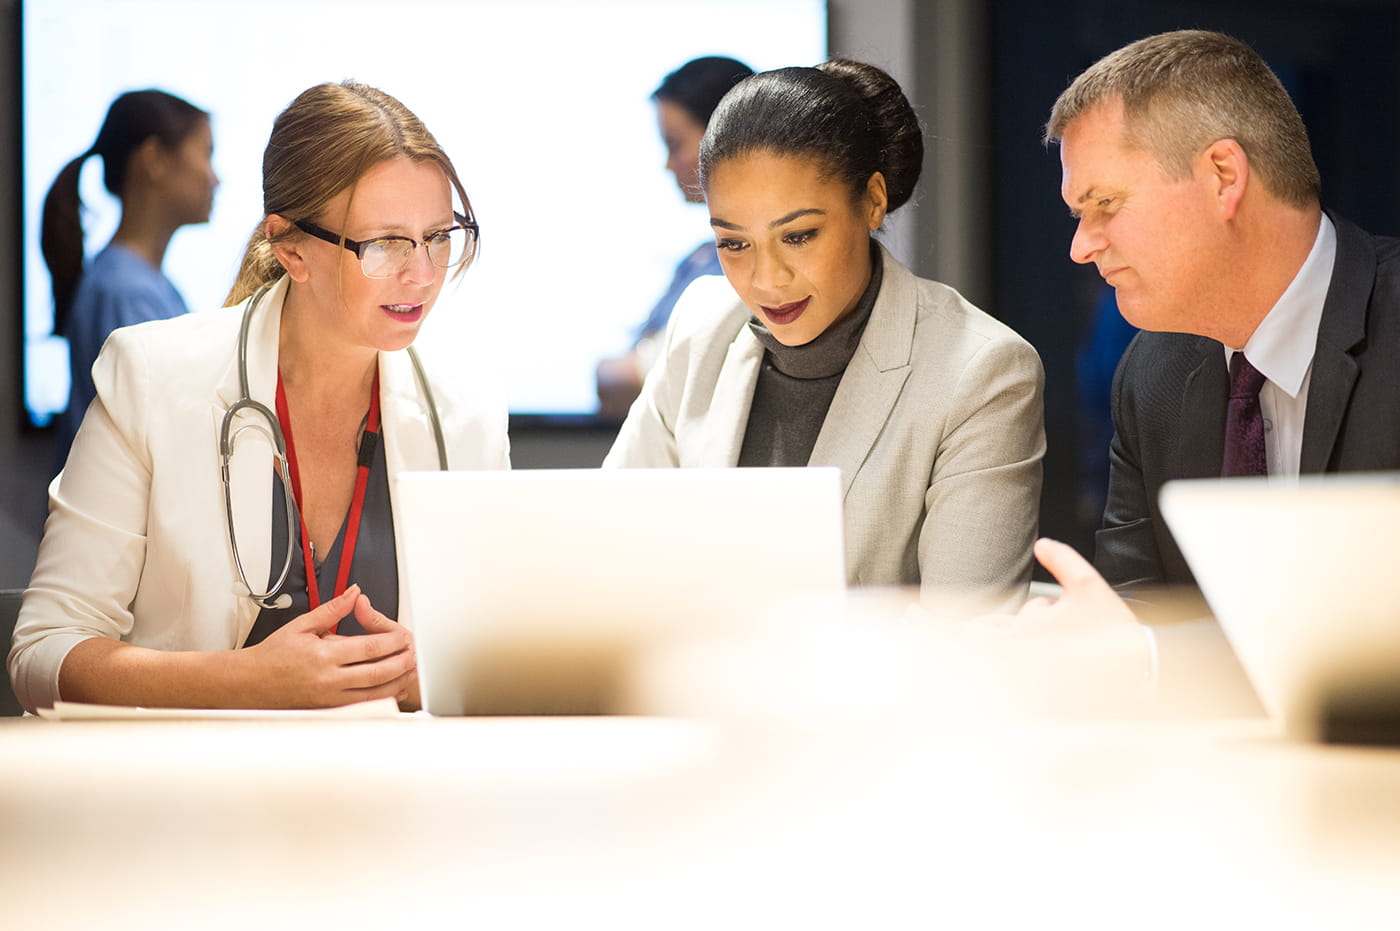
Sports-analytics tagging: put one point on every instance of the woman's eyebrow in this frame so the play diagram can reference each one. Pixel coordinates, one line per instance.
(786, 218)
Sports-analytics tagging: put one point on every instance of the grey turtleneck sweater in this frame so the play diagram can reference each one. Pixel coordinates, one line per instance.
(796, 383)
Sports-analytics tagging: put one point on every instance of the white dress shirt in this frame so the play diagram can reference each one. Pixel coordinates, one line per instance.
(1282, 349)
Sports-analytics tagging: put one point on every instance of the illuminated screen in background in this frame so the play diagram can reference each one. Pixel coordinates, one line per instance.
(544, 107)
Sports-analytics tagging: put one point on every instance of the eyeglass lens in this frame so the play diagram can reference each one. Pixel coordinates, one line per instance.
(384, 258)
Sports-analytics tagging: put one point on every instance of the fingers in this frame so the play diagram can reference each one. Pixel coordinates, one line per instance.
(1035, 607)
(323, 618)
(1072, 571)
(402, 689)
(382, 637)
(371, 620)
(391, 674)
(367, 648)
(378, 663)
(1087, 597)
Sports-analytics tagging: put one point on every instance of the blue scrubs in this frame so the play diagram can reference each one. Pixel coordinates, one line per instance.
(118, 288)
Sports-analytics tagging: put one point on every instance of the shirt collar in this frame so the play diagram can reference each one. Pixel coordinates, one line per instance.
(1283, 344)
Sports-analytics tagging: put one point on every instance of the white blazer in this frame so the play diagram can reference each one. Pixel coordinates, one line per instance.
(136, 544)
(937, 428)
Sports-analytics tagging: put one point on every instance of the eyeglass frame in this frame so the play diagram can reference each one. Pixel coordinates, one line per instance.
(359, 246)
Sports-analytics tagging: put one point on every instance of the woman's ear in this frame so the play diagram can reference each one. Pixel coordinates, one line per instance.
(147, 162)
(877, 200)
(286, 245)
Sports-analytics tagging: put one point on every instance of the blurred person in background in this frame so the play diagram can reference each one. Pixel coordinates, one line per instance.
(155, 150)
(684, 102)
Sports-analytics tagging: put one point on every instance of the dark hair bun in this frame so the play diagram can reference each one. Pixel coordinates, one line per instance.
(892, 119)
(851, 116)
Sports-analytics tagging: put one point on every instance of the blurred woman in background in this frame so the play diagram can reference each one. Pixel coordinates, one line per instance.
(155, 150)
(684, 102)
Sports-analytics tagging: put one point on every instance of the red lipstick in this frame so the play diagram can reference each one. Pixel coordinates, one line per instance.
(784, 314)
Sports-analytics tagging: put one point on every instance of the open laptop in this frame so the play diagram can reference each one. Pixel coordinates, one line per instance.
(1304, 578)
(527, 590)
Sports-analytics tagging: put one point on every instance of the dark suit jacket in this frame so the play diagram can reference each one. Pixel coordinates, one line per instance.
(1169, 398)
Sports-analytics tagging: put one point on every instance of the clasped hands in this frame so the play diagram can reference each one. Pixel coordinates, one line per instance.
(304, 665)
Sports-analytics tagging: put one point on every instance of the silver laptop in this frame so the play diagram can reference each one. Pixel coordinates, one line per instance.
(527, 589)
(1304, 578)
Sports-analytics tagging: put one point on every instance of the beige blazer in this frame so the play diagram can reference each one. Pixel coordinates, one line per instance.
(937, 428)
(136, 545)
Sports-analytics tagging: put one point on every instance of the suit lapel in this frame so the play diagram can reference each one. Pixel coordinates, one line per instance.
(1333, 376)
(1343, 326)
(722, 436)
(874, 378)
(1203, 405)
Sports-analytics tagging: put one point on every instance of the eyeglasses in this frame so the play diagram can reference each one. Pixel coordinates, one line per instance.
(386, 256)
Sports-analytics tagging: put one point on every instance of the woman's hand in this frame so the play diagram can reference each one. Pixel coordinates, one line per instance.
(373, 622)
(304, 665)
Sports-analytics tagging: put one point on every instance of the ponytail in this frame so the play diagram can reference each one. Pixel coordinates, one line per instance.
(133, 117)
(259, 267)
(61, 238)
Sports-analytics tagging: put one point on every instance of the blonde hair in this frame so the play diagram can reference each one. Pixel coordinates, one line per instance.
(321, 144)
(1182, 91)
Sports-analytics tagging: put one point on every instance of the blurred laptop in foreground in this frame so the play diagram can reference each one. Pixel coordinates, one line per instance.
(1302, 577)
(530, 591)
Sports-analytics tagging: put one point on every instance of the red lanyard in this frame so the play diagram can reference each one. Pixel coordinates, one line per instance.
(368, 442)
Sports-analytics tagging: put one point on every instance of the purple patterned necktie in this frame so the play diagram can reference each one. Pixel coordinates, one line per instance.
(1244, 422)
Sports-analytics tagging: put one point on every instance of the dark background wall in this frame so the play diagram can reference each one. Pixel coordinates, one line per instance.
(987, 218)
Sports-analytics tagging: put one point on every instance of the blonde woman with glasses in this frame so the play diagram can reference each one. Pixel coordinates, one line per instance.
(222, 535)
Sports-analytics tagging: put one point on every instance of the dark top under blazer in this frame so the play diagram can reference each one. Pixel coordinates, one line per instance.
(1169, 409)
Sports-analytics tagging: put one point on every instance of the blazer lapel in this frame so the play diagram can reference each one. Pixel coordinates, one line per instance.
(874, 377)
(409, 442)
(1203, 406)
(722, 436)
(858, 413)
(1343, 326)
(251, 469)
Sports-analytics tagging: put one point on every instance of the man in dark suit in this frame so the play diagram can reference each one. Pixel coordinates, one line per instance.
(1190, 173)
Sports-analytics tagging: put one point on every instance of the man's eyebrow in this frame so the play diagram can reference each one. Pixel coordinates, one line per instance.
(1092, 193)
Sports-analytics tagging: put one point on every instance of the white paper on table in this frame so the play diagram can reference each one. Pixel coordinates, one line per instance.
(82, 711)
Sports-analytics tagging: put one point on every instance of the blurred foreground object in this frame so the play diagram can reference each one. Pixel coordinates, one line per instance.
(1302, 577)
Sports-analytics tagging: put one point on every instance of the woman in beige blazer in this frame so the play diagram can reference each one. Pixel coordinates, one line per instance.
(144, 594)
(818, 348)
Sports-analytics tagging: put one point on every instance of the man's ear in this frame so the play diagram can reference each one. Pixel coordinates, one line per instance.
(287, 248)
(1227, 168)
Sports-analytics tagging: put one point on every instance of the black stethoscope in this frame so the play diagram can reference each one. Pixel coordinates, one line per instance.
(271, 429)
